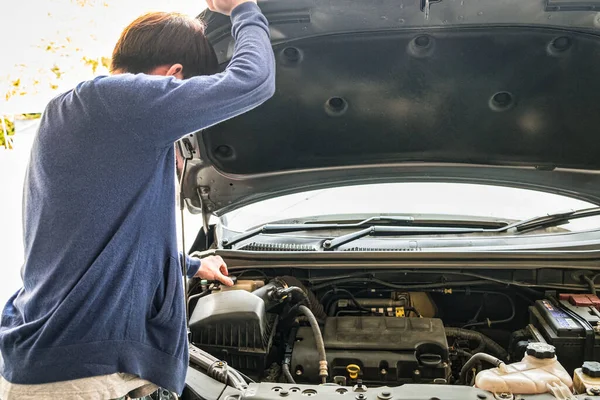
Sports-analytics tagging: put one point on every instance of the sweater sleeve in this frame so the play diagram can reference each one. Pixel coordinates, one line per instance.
(192, 264)
(161, 110)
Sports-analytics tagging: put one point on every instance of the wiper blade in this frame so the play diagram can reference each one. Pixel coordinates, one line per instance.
(550, 220)
(396, 230)
(545, 221)
(283, 228)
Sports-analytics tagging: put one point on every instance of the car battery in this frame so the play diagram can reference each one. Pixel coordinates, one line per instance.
(570, 323)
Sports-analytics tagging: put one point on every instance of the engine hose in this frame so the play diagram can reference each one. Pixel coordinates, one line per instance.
(286, 372)
(592, 283)
(332, 306)
(313, 302)
(484, 341)
(463, 353)
(477, 358)
(323, 373)
(295, 289)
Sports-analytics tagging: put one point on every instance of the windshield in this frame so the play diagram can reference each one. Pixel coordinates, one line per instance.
(412, 198)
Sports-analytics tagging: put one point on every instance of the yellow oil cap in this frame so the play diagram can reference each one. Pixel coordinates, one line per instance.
(353, 370)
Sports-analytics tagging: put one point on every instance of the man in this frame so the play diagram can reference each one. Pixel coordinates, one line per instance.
(101, 312)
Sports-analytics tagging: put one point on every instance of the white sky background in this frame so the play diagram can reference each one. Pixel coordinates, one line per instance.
(93, 29)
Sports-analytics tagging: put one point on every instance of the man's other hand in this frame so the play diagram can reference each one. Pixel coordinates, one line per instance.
(213, 268)
(225, 6)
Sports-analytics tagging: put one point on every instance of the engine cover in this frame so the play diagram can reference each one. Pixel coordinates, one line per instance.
(387, 349)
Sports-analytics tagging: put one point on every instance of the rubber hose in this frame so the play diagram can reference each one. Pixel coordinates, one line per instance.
(286, 372)
(313, 303)
(318, 338)
(300, 292)
(479, 357)
(591, 282)
(484, 341)
(463, 353)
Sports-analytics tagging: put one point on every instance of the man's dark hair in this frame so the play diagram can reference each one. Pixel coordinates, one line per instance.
(160, 38)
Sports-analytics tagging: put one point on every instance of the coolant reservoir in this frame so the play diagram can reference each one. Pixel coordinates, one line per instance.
(587, 378)
(532, 375)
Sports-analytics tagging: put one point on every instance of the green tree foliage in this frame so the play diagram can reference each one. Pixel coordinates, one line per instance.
(9, 126)
(56, 61)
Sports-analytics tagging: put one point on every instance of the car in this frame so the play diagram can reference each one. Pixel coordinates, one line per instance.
(413, 215)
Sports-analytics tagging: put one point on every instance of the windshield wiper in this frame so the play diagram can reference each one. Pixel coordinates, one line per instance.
(545, 221)
(283, 228)
(550, 220)
(426, 227)
(396, 230)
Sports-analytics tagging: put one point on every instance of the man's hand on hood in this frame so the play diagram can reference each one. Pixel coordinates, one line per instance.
(213, 268)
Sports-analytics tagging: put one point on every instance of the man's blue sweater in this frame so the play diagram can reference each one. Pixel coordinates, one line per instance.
(102, 287)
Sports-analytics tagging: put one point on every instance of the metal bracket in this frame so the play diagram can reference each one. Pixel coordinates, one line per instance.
(426, 5)
(206, 205)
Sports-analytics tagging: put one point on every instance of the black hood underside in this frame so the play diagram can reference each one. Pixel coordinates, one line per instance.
(518, 103)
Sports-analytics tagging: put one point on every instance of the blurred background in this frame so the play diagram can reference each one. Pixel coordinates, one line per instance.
(46, 48)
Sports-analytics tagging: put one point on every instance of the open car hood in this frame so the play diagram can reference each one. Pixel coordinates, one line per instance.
(493, 92)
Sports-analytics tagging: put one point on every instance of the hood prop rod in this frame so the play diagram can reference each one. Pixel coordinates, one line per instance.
(186, 157)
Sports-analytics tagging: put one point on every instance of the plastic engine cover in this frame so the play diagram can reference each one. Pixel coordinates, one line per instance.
(387, 349)
(234, 327)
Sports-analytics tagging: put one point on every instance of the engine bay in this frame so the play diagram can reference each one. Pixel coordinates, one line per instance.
(332, 330)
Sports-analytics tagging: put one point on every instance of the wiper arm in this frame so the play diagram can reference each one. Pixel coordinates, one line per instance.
(520, 226)
(283, 228)
(550, 220)
(396, 230)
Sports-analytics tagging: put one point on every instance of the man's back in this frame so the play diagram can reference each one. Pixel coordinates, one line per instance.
(98, 202)
(102, 280)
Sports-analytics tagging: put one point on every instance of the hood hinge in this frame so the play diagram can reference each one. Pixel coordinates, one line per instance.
(206, 205)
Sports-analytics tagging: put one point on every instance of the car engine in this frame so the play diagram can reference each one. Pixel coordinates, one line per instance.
(382, 350)
(283, 329)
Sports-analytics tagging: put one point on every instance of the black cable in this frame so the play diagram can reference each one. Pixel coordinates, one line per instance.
(408, 271)
(425, 286)
(525, 286)
(479, 310)
(198, 283)
(338, 313)
(282, 293)
(489, 323)
(240, 273)
(286, 372)
(327, 306)
(325, 296)
(354, 300)
(477, 358)
(463, 353)
(312, 301)
(484, 341)
(413, 310)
